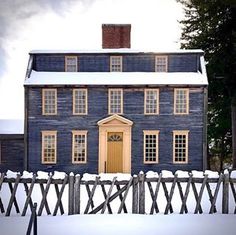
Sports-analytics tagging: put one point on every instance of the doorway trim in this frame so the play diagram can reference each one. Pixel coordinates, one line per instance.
(115, 123)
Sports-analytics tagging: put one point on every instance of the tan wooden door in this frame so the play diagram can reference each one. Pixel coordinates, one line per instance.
(114, 152)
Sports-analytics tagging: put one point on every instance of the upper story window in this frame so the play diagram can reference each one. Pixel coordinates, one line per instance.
(79, 147)
(150, 145)
(80, 102)
(115, 101)
(71, 64)
(151, 101)
(180, 146)
(49, 102)
(49, 147)
(116, 64)
(181, 101)
(161, 63)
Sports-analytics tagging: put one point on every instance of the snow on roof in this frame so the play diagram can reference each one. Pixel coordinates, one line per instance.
(11, 126)
(120, 50)
(116, 78)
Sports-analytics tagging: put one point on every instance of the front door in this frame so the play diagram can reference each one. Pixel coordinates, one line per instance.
(114, 162)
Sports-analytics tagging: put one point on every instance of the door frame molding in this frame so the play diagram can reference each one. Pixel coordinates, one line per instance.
(115, 123)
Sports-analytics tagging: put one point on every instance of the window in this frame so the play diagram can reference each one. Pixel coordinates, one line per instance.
(115, 101)
(116, 63)
(151, 103)
(71, 63)
(49, 147)
(79, 147)
(49, 102)
(181, 101)
(80, 101)
(161, 63)
(150, 144)
(180, 146)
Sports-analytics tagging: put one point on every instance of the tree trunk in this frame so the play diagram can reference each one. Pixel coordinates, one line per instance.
(221, 154)
(233, 118)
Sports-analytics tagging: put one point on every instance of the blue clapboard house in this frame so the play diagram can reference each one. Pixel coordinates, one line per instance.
(115, 109)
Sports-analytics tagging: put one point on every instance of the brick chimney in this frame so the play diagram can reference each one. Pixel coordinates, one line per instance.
(116, 35)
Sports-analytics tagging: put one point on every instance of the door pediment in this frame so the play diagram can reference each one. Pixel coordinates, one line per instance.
(115, 120)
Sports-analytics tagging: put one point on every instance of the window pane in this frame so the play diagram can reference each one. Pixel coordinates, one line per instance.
(151, 148)
(49, 148)
(116, 63)
(79, 145)
(181, 101)
(180, 147)
(71, 64)
(115, 97)
(161, 64)
(151, 102)
(80, 101)
(49, 101)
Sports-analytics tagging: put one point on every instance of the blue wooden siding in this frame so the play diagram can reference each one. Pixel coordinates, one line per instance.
(186, 63)
(94, 63)
(12, 154)
(142, 62)
(65, 122)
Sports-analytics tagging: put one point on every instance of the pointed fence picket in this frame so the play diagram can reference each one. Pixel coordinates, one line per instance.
(131, 195)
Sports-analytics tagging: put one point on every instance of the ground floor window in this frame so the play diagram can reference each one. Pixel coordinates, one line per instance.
(150, 146)
(180, 146)
(49, 147)
(79, 146)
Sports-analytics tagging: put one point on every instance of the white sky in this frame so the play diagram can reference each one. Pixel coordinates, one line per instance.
(78, 26)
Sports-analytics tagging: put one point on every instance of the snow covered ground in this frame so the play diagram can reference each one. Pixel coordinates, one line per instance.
(199, 224)
(129, 224)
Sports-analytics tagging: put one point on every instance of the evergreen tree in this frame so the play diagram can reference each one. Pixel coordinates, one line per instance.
(211, 26)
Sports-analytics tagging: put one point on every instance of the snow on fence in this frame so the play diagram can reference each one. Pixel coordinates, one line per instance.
(149, 193)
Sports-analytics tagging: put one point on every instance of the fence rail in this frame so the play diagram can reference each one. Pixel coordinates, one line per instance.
(138, 194)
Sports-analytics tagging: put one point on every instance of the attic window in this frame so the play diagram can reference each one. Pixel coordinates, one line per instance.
(161, 63)
(71, 63)
(116, 63)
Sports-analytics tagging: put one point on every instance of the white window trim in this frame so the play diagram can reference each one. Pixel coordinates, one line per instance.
(77, 132)
(166, 65)
(181, 132)
(145, 96)
(43, 102)
(187, 101)
(109, 100)
(121, 63)
(44, 133)
(74, 57)
(151, 132)
(86, 102)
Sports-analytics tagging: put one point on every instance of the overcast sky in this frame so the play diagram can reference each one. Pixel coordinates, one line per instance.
(74, 24)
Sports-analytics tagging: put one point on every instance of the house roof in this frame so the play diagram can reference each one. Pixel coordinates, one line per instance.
(119, 50)
(116, 78)
(11, 126)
